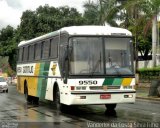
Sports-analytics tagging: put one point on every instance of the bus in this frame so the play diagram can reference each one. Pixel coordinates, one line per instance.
(78, 65)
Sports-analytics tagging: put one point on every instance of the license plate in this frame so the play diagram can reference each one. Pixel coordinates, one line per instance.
(105, 96)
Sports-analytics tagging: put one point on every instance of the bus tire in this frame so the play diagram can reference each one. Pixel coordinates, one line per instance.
(27, 97)
(35, 100)
(110, 106)
(59, 105)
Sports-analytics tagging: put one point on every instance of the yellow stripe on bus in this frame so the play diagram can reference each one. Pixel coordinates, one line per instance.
(33, 81)
(37, 69)
(21, 84)
(126, 81)
(32, 85)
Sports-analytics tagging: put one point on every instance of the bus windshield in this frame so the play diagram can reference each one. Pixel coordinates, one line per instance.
(100, 56)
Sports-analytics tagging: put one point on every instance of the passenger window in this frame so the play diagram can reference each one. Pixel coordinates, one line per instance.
(25, 55)
(20, 56)
(54, 47)
(37, 51)
(31, 52)
(45, 47)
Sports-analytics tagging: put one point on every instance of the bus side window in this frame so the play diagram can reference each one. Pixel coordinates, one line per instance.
(45, 51)
(42, 46)
(20, 54)
(54, 47)
(31, 53)
(37, 51)
(25, 55)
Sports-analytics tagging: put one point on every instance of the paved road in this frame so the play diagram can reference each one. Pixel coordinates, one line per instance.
(15, 112)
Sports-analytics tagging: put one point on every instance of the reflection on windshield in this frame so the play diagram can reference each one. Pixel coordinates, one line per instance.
(118, 56)
(100, 56)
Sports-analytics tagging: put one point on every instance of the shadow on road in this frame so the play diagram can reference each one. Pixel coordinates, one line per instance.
(89, 113)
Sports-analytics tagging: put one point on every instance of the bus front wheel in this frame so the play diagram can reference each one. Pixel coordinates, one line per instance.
(59, 105)
(110, 106)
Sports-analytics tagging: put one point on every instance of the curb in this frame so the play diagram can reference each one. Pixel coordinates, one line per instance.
(148, 98)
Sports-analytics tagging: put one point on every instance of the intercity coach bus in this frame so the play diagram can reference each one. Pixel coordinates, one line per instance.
(78, 65)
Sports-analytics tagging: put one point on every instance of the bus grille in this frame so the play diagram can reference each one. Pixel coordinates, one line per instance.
(101, 87)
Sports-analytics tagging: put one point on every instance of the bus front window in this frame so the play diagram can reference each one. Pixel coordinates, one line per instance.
(86, 56)
(100, 56)
(118, 57)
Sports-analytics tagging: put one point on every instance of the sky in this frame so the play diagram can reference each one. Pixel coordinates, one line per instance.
(11, 10)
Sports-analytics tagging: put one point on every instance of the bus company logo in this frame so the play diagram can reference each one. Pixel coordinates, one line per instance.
(54, 69)
(28, 69)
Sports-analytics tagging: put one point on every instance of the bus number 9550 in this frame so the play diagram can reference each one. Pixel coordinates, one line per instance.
(87, 82)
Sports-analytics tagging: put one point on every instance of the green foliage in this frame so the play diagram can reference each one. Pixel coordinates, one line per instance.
(35, 23)
(8, 44)
(144, 46)
(134, 14)
(91, 13)
(47, 19)
(6, 68)
(6, 41)
(137, 17)
(148, 74)
(100, 12)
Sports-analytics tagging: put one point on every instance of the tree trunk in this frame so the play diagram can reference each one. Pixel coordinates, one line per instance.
(154, 40)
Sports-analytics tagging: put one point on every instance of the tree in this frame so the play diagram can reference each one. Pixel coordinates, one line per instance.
(155, 9)
(100, 12)
(35, 23)
(28, 25)
(148, 9)
(8, 45)
(91, 13)
(47, 19)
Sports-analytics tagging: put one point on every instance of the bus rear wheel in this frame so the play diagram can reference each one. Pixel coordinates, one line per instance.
(110, 106)
(27, 97)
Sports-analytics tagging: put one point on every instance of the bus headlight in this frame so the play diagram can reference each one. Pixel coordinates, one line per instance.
(128, 96)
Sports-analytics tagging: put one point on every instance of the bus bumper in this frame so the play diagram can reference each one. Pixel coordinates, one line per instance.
(100, 97)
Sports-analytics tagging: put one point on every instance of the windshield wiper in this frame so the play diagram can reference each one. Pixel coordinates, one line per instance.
(95, 67)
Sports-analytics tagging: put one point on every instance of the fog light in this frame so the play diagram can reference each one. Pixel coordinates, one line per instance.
(128, 96)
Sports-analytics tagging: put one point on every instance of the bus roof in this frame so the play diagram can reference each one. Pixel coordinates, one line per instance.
(96, 30)
(83, 30)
